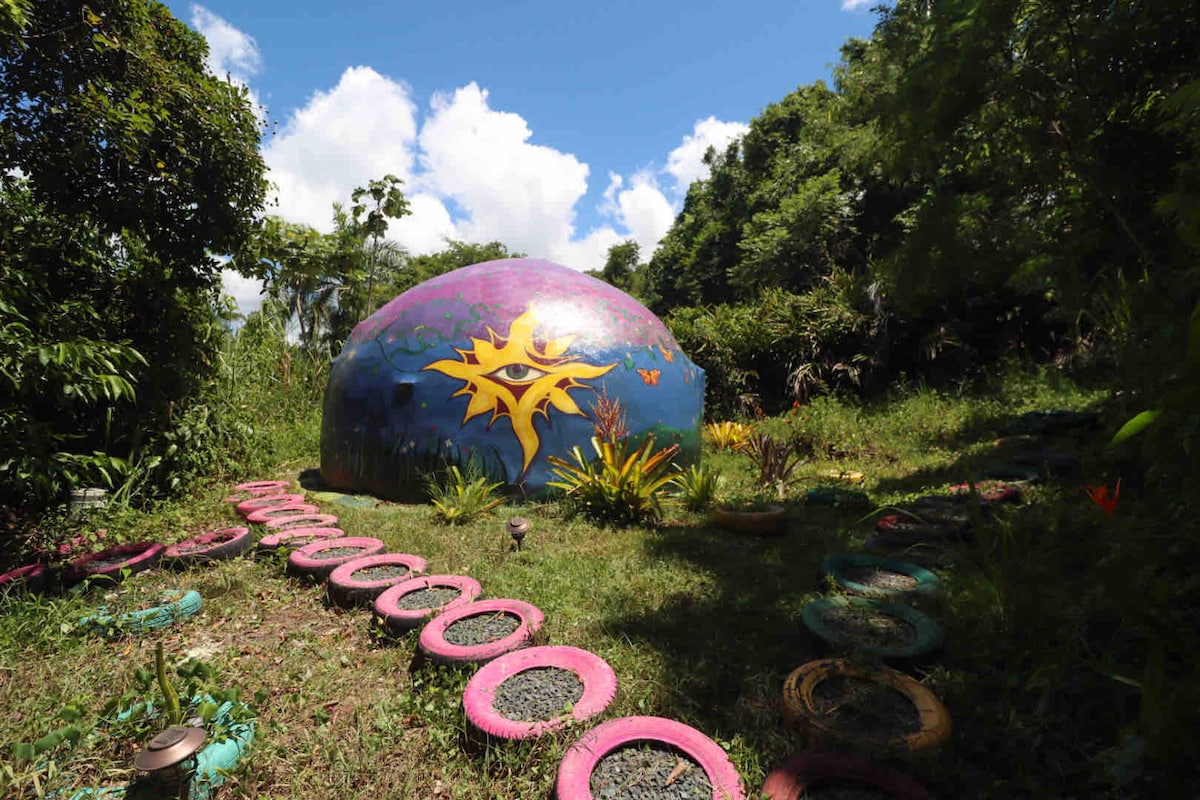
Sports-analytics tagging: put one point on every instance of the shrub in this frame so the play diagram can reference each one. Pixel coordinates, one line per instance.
(697, 486)
(616, 487)
(460, 495)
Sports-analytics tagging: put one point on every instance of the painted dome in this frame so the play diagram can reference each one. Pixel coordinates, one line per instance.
(500, 363)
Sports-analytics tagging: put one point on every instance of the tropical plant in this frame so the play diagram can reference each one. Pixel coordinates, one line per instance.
(460, 495)
(697, 486)
(617, 486)
(728, 435)
(775, 459)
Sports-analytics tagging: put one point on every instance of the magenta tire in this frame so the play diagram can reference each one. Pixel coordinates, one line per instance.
(134, 559)
(245, 507)
(927, 526)
(31, 578)
(263, 487)
(400, 620)
(433, 636)
(297, 537)
(302, 521)
(575, 770)
(306, 561)
(257, 489)
(598, 679)
(807, 770)
(261, 516)
(347, 591)
(214, 546)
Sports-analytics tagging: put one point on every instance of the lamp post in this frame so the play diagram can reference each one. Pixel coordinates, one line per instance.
(170, 757)
(517, 527)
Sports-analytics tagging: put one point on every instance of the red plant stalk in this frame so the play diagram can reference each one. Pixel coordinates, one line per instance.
(1100, 496)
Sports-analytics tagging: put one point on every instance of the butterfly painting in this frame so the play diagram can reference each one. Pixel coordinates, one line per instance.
(649, 376)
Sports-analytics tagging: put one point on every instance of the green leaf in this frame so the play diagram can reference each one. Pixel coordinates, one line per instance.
(1135, 426)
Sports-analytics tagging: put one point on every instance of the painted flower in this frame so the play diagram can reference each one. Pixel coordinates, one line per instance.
(1100, 496)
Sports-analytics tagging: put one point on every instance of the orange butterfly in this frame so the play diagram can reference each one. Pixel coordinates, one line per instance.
(649, 376)
(667, 354)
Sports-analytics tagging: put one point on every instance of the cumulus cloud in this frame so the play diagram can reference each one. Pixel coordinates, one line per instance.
(245, 291)
(686, 162)
(362, 129)
(855, 5)
(230, 51)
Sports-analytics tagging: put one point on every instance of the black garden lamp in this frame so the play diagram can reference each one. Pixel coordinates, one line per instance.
(170, 756)
(517, 527)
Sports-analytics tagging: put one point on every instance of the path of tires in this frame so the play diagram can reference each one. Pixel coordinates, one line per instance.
(524, 689)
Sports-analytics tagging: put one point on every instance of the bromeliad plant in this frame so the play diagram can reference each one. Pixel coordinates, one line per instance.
(616, 487)
(728, 435)
(460, 495)
(697, 486)
(775, 459)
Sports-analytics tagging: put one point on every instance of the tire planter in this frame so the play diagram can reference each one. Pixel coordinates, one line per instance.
(174, 606)
(302, 521)
(296, 537)
(31, 578)
(437, 647)
(575, 770)
(346, 590)
(771, 521)
(597, 677)
(841, 569)
(213, 546)
(261, 516)
(214, 762)
(810, 770)
(926, 638)
(399, 620)
(1016, 473)
(925, 554)
(928, 527)
(800, 708)
(1000, 493)
(245, 491)
(267, 501)
(114, 563)
(306, 561)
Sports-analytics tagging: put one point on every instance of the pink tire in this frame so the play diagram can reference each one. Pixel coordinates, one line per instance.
(307, 560)
(807, 770)
(128, 559)
(433, 641)
(400, 620)
(346, 590)
(213, 546)
(598, 679)
(267, 501)
(31, 578)
(302, 521)
(575, 769)
(262, 516)
(297, 537)
(245, 491)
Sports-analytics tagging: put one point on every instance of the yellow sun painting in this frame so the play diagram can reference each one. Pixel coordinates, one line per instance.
(511, 376)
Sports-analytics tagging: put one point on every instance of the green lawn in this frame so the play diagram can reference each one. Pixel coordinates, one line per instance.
(700, 625)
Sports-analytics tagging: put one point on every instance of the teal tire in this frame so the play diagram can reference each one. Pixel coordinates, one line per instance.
(176, 605)
(840, 569)
(928, 635)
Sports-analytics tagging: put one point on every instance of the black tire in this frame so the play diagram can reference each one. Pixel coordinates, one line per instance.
(134, 559)
(929, 636)
(219, 545)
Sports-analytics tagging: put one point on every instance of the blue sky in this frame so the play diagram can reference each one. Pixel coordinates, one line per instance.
(558, 128)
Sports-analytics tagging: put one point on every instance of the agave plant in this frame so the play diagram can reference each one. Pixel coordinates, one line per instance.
(618, 487)
(728, 435)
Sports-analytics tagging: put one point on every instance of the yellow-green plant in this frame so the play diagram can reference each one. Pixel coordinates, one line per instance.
(459, 496)
(728, 435)
(616, 486)
(697, 486)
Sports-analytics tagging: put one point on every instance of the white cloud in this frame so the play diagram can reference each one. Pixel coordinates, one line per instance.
(230, 51)
(645, 212)
(361, 130)
(245, 291)
(855, 5)
(686, 162)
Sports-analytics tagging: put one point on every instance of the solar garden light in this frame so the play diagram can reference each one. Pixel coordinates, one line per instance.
(170, 757)
(517, 527)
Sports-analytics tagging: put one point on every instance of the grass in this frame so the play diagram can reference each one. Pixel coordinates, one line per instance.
(1048, 618)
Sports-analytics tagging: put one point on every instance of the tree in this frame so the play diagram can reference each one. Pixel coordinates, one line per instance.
(621, 263)
(109, 112)
(389, 203)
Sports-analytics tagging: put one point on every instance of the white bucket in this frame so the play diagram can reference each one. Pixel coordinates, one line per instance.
(82, 499)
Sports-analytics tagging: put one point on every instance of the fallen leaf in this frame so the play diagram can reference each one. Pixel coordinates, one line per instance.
(681, 767)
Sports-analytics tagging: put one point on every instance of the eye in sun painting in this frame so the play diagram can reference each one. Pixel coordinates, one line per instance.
(512, 376)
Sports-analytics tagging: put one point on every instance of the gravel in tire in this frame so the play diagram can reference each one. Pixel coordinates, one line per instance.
(426, 598)
(335, 552)
(380, 573)
(882, 579)
(481, 629)
(863, 708)
(541, 693)
(648, 771)
(873, 629)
